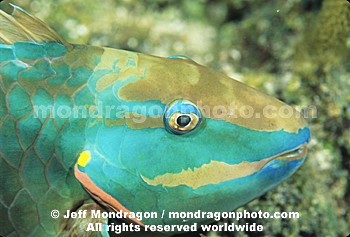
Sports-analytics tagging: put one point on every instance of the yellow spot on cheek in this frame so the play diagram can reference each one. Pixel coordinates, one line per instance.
(84, 158)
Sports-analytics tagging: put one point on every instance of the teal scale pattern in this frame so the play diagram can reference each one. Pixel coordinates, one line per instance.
(36, 155)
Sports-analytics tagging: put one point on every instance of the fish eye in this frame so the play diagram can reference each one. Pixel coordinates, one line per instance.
(182, 116)
(183, 120)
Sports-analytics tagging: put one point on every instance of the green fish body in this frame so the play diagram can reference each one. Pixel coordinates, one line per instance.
(84, 126)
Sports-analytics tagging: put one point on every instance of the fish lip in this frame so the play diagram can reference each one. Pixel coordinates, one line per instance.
(293, 154)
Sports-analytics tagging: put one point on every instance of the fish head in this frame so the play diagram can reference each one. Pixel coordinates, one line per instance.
(186, 138)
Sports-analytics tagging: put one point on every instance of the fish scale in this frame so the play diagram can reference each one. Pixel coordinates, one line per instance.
(26, 160)
(36, 76)
(90, 128)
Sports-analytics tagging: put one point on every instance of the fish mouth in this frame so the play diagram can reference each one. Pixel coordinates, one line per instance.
(203, 175)
(294, 154)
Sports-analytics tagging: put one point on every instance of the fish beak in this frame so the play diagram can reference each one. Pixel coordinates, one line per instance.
(294, 154)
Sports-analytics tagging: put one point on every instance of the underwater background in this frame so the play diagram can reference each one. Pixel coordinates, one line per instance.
(295, 50)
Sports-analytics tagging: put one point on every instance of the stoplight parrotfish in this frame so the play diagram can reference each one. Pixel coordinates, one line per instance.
(85, 127)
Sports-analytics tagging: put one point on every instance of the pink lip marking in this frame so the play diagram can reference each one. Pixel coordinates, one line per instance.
(95, 191)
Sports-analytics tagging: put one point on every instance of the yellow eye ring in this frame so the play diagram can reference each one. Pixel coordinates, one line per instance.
(183, 122)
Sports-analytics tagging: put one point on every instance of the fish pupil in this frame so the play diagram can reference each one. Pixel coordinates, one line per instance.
(183, 120)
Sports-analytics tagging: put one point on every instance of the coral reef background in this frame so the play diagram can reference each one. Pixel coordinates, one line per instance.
(296, 50)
